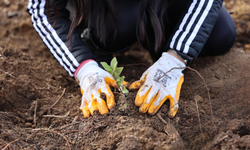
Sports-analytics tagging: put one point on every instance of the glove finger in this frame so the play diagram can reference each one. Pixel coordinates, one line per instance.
(141, 97)
(98, 103)
(125, 83)
(85, 111)
(93, 105)
(174, 101)
(178, 88)
(137, 84)
(110, 82)
(102, 107)
(152, 96)
(156, 105)
(109, 97)
(173, 107)
(84, 107)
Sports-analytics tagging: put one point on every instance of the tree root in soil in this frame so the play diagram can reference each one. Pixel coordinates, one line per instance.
(49, 109)
(58, 99)
(159, 116)
(35, 113)
(8, 145)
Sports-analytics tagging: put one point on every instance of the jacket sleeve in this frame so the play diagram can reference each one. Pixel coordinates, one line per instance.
(68, 54)
(194, 28)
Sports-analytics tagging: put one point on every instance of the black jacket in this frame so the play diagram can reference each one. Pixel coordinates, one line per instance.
(190, 23)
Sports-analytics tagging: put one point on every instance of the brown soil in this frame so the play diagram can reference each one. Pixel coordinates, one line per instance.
(39, 102)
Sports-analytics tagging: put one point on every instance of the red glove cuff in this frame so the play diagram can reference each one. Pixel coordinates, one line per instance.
(80, 66)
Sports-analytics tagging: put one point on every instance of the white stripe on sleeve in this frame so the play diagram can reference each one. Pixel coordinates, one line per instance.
(198, 26)
(185, 33)
(184, 21)
(60, 50)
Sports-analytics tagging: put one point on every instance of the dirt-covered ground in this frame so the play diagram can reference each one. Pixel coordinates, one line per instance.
(39, 102)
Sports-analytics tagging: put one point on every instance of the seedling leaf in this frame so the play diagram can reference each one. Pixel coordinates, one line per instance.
(120, 80)
(114, 63)
(119, 70)
(106, 67)
(115, 72)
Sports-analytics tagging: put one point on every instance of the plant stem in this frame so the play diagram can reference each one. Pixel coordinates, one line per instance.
(118, 85)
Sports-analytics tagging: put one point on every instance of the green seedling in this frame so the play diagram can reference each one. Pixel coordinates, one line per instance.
(115, 72)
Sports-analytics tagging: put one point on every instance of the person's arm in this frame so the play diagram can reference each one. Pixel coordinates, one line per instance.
(75, 57)
(194, 28)
(163, 80)
(54, 28)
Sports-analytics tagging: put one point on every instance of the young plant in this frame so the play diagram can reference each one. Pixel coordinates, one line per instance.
(115, 72)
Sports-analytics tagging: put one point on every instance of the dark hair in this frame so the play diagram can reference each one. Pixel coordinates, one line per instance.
(84, 11)
(155, 13)
(152, 19)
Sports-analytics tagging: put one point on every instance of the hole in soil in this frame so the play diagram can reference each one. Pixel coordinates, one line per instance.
(243, 130)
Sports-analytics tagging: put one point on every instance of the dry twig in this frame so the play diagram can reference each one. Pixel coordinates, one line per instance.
(58, 99)
(3, 142)
(35, 113)
(222, 139)
(89, 131)
(7, 73)
(165, 122)
(64, 138)
(72, 123)
(49, 109)
(198, 114)
(57, 116)
(159, 116)
(9, 144)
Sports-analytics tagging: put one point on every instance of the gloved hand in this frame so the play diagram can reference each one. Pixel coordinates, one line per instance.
(93, 81)
(155, 89)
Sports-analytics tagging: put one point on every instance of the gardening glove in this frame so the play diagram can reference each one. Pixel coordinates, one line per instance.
(93, 81)
(156, 86)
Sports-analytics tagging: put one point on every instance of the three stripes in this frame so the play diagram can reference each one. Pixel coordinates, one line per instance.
(181, 40)
(49, 36)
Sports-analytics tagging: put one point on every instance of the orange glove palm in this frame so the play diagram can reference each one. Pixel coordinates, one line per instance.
(155, 88)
